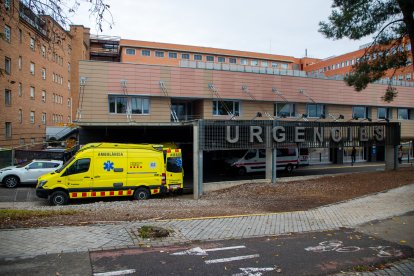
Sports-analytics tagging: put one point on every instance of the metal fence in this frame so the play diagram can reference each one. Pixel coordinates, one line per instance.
(232, 134)
(22, 155)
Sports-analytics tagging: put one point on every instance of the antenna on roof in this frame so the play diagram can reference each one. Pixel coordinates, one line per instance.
(306, 52)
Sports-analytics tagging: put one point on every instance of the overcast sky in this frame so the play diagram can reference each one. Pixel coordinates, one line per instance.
(285, 27)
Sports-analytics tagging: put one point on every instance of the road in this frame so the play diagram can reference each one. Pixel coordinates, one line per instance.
(318, 253)
(27, 193)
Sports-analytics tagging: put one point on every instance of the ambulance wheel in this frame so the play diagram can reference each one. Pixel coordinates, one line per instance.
(289, 168)
(241, 171)
(59, 198)
(141, 194)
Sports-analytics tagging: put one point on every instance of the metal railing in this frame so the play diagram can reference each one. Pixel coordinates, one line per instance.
(274, 71)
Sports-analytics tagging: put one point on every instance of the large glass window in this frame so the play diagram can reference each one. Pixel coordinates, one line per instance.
(146, 53)
(384, 113)
(233, 60)
(359, 112)
(139, 105)
(226, 108)
(185, 56)
(221, 59)
(403, 114)
(172, 55)
(209, 58)
(159, 54)
(316, 110)
(284, 110)
(117, 105)
(243, 61)
(198, 57)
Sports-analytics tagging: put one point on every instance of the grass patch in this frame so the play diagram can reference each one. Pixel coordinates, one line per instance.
(10, 214)
(146, 232)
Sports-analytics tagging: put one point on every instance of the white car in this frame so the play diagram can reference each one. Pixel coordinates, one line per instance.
(28, 172)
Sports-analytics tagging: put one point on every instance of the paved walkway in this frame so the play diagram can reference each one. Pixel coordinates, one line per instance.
(21, 243)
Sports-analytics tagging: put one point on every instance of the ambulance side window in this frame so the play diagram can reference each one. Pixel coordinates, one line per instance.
(250, 155)
(80, 166)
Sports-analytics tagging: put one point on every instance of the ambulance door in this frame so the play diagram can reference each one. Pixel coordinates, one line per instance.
(78, 176)
(110, 171)
(174, 169)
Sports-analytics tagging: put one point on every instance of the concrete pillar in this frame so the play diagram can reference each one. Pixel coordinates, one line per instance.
(196, 164)
(391, 158)
(271, 165)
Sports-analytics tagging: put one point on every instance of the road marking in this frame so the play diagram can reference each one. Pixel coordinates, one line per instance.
(197, 251)
(238, 258)
(254, 271)
(114, 273)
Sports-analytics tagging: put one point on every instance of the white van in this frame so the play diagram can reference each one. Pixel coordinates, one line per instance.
(254, 160)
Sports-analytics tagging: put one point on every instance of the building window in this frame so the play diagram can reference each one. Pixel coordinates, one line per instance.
(185, 56)
(44, 118)
(243, 61)
(130, 52)
(69, 67)
(7, 97)
(254, 62)
(159, 54)
(315, 110)
(226, 108)
(68, 85)
(221, 59)
(43, 96)
(232, 60)
(403, 114)
(32, 141)
(20, 89)
(172, 55)
(117, 105)
(32, 43)
(20, 35)
(7, 33)
(20, 117)
(20, 63)
(139, 105)
(408, 76)
(198, 57)
(32, 68)
(265, 63)
(145, 53)
(32, 117)
(43, 73)
(275, 64)
(7, 5)
(8, 127)
(7, 65)
(32, 92)
(384, 113)
(43, 51)
(69, 102)
(400, 77)
(283, 110)
(284, 66)
(360, 112)
(210, 58)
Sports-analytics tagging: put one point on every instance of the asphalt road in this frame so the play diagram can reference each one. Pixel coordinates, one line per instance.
(319, 253)
(27, 193)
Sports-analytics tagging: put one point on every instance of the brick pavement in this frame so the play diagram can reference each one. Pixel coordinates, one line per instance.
(21, 243)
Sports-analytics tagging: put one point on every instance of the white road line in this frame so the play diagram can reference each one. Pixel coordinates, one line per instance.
(114, 273)
(225, 248)
(203, 252)
(238, 258)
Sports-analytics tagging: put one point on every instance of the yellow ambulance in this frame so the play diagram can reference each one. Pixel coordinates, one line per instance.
(107, 170)
(174, 169)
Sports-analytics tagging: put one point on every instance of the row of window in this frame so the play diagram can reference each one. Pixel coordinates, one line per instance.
(141, 105)
(56, 77)
(209, 58)
(58, 99)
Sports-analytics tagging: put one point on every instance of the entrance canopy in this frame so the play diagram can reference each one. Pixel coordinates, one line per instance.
(233, 134)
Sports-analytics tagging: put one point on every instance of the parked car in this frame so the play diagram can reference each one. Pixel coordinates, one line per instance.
(27, 173)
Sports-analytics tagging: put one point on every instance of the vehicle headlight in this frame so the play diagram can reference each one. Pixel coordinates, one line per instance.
(42, 183)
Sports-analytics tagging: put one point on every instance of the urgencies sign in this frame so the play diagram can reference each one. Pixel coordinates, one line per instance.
(300, 134)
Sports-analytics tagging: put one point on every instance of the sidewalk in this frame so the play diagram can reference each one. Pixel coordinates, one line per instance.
(23, 243)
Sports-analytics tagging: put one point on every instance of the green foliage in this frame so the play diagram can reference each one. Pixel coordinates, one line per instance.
(390, 22)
